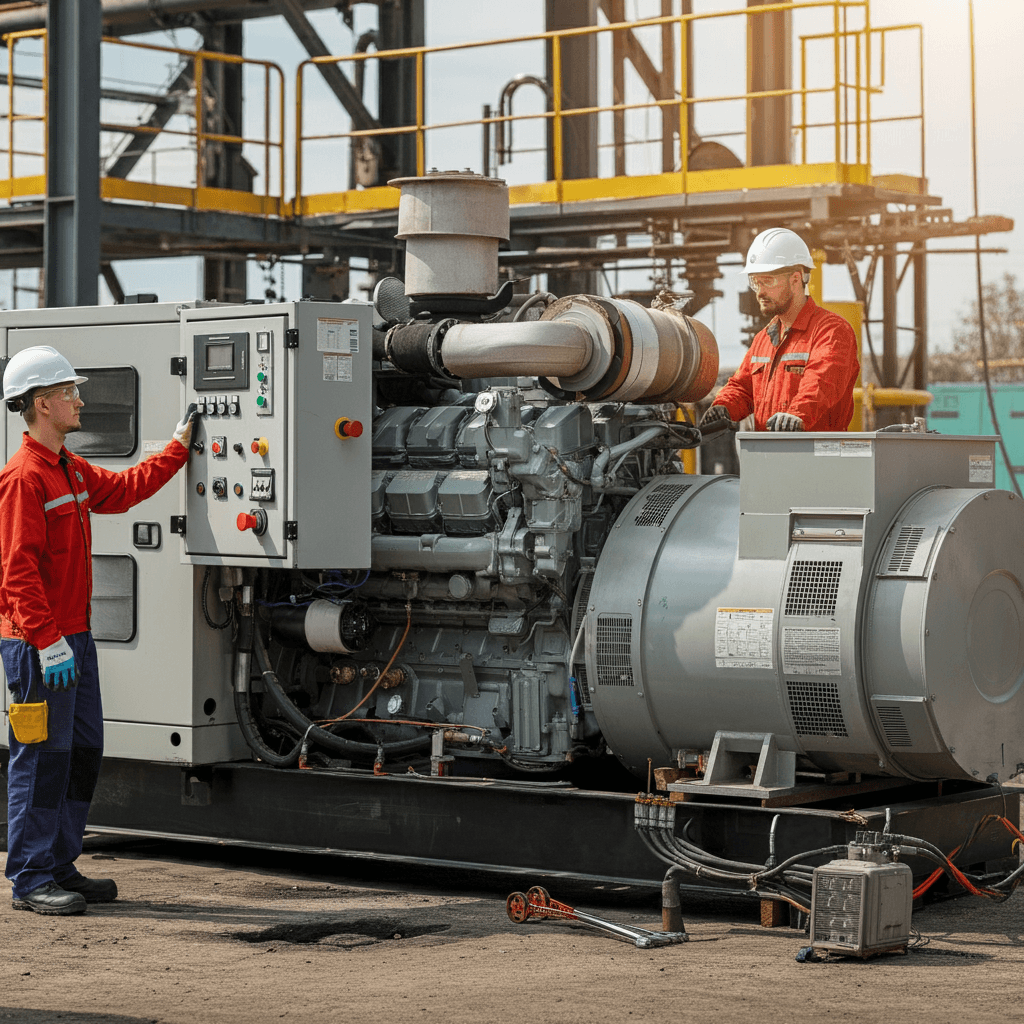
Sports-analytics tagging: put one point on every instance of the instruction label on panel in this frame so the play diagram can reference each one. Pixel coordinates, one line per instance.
(338, 368)
(829, 448)
(980, 469)
(333, 335)
(743, 637)
(811, 651)
(855, 449)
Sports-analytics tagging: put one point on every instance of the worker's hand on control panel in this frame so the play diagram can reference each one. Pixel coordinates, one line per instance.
(784, 421)
(58, 664)
(714, 415)
(183, 431)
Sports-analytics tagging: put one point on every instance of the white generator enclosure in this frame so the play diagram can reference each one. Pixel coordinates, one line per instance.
(285, 374)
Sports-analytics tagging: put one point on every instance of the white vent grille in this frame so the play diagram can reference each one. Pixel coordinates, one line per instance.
(614, 650)
(902, 557)
(659, 503)
(837, 900)
(813, 588)
(894, 725)
(816, 709)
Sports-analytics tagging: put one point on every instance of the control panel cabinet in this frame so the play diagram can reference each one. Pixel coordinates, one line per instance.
(280, 467)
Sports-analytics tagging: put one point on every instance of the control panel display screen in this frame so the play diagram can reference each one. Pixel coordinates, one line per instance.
(221, 362)
(219, 357)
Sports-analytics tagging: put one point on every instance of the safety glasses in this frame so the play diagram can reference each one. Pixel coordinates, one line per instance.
(759, 281)
(68, 394)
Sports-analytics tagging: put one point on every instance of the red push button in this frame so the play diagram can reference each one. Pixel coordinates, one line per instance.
(260, 446)
(246, 522)
(345, 427)
(215, 447)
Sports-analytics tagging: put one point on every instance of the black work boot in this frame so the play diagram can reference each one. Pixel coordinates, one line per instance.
(95, 890)
(50, 898)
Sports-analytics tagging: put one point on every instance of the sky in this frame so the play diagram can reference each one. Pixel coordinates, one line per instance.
(459, 85)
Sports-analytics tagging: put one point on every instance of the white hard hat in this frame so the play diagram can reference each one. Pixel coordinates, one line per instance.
(37, 367)
(777, 248)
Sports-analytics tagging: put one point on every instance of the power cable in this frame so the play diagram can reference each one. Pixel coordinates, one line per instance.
(977, 265)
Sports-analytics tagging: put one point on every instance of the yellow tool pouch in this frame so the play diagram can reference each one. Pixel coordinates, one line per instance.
(28, 722)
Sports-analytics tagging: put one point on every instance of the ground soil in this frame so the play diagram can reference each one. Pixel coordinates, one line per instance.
(204, 934)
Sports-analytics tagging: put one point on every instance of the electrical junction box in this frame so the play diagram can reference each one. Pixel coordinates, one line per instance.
(280, 469)
(861, 905)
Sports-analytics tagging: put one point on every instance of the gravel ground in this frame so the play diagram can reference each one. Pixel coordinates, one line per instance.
(204, 934)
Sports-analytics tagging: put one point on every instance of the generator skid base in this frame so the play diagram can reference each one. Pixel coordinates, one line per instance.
(543, 830)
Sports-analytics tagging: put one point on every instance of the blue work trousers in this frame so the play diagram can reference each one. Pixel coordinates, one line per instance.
(50, 784)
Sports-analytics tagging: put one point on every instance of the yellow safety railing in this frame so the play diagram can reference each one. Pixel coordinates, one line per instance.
(850, 78)
(192, 193)
(844, 82)
(863, 90)
(26, 185)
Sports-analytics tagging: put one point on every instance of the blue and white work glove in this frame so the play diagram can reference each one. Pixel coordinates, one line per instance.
(183, 431)
(784, 421)
(714, 414)
(58, 665)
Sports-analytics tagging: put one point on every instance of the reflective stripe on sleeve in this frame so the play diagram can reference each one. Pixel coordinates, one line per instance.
(795, 355)
(62, 500)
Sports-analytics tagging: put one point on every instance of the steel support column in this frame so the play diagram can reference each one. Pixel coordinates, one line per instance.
(920, 370)
(579, 133)
(769, 67)
(401, 24)
(71, 233)
(890, 378)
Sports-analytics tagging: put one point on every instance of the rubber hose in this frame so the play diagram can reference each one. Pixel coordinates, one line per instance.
(247, 723)
(313, 732)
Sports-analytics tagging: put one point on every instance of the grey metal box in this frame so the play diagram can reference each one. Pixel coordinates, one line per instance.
(310, 369)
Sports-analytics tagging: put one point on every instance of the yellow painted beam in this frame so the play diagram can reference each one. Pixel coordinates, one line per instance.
(31, 185)
(729, 179)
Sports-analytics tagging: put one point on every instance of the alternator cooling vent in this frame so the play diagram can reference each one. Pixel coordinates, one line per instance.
(837, 908)
(659, 503)
(902, 557)
(614, 650)
(816, 709)
(894, 725)
(813, 588)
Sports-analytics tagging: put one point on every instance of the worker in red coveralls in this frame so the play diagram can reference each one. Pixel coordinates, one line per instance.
(46, 497)
(799, 372)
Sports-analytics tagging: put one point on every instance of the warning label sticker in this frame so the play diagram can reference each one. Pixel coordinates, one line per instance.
(980, 469)
(855, 449)
(811, 651)
(334, 335)
(829, 448)
(743, 637)
(338, 368)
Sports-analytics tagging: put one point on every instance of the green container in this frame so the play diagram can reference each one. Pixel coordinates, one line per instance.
(963, 409)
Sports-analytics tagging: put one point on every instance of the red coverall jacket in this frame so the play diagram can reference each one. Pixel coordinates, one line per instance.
(811, 374)
(46, 537)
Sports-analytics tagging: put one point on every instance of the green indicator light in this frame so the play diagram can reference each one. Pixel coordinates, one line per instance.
(261, 401)
(261, 376)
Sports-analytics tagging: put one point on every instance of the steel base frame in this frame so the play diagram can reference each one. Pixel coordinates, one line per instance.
(537, 829)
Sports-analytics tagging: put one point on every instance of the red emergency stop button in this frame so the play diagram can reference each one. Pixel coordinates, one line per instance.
(345, 427)
(260, 446)
(255, 519)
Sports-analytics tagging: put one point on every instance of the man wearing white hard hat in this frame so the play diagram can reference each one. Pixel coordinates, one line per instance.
(46, 497)
(799, 372)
